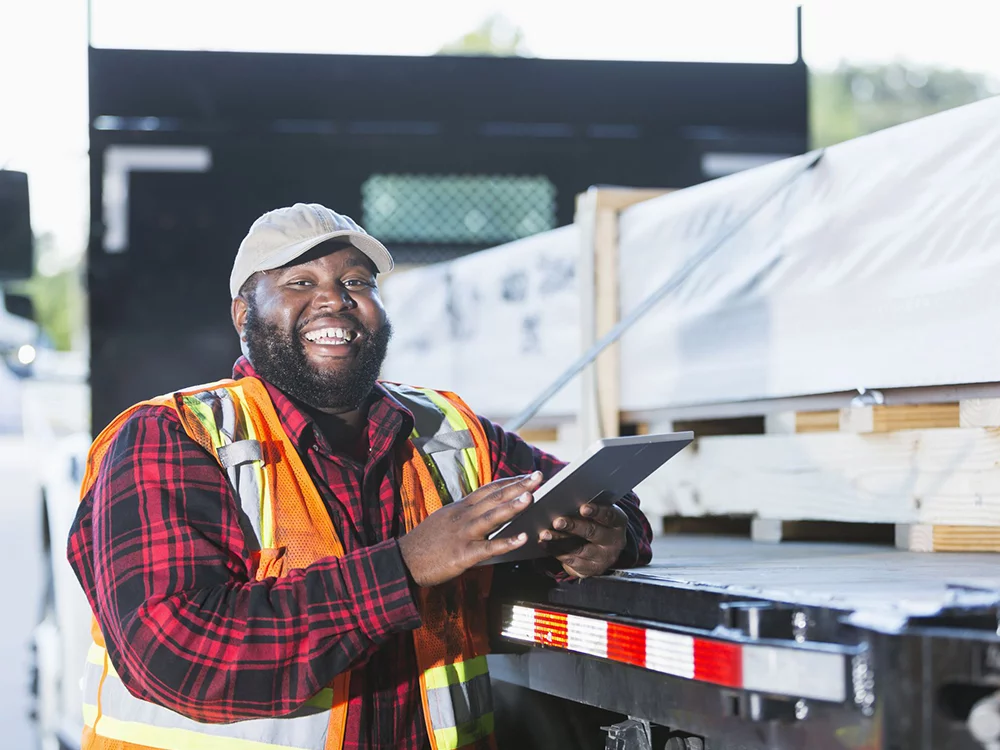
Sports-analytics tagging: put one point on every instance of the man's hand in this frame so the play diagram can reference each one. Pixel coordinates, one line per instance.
(601, 530)
(453, 539)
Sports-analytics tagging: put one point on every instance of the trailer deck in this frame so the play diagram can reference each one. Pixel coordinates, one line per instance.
(771, 646)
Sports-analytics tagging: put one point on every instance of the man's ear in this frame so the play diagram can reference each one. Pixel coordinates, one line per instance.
(239, 313)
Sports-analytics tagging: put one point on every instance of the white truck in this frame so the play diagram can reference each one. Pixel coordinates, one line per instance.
(19, 334)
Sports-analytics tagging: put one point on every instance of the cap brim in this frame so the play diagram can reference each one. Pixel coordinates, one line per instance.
(367, 244)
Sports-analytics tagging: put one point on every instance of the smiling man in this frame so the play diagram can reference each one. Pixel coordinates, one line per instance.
(287, 558)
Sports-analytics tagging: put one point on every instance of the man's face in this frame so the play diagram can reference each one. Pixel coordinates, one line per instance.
(317, 330)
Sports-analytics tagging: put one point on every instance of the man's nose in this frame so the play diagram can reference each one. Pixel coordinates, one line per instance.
(333, 297)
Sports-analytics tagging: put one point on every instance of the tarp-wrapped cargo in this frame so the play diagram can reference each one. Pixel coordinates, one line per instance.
(878, 268)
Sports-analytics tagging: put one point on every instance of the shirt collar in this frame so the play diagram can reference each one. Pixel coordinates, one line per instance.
(385, 410)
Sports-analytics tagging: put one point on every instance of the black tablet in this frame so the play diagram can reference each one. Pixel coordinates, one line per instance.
(604, 474)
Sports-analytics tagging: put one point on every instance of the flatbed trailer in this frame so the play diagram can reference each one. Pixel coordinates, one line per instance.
(749, 645)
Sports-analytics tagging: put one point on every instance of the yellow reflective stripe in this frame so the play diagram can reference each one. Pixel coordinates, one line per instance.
(266, 509)
(322, 699)
(95, 654)
(172, 739)
(455, 737)
(453, 674)
(457, 422)
(204, 414)
(452, 414)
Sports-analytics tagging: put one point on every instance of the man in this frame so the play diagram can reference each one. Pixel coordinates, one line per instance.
(280, 560)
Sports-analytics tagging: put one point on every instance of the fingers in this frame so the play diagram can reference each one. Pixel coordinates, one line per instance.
(606, 515)
(504, 489)
(493, 547)
(579, 570)
(497, 515)
(588, 560)
(589, 531)
(582, 568)
(602, 528)
(548, 535)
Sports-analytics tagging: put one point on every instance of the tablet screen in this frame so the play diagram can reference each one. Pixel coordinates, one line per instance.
(607, 472)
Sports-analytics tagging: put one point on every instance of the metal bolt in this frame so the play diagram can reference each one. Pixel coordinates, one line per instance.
(801, 709)
(800, 623)
(984, 721)
(867, 398)
(863, 682)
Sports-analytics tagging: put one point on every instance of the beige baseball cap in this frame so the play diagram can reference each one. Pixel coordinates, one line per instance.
(282, 235)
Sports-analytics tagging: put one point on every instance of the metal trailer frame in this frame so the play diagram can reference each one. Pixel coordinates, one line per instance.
(917, 651)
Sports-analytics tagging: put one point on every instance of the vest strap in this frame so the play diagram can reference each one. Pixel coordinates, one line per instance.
(239, 453)
(448, 441)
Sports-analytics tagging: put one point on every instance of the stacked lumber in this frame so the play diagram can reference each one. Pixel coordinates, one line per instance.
(930, 470)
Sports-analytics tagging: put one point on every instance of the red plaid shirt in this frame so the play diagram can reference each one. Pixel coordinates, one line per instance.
(158, 549)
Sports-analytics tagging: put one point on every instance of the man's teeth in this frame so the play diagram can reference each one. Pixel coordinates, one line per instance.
(330, 336)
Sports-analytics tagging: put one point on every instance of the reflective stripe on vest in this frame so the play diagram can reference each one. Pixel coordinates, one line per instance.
(442, 439)
(150, 725)
(458, 696)
(239, 452)
(460, 702)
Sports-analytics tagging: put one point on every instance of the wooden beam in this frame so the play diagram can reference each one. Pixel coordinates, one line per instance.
(817, 421)
(931, 538)
(588, 416)
(938, 476)
(597, 212)
(979, 412)
(619, 198)
(780, 423)
(539, 434)
(901, 417)
(607, 312)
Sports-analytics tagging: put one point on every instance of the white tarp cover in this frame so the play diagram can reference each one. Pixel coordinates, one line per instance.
(494, 326)
(879, 268)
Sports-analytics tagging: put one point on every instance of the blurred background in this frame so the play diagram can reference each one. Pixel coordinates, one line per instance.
(441, 156)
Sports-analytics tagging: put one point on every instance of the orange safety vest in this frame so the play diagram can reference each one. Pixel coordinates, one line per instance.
(446, 458)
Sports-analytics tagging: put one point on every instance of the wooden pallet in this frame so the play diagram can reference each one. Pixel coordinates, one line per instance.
(929, 471)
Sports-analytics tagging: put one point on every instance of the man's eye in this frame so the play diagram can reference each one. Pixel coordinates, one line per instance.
(357, 283)
(300, 282)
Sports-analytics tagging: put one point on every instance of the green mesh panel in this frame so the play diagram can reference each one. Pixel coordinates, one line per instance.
(470, 210)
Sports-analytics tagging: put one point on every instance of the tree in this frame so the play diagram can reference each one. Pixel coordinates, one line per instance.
(854, 100)
(57, 295)
(496, 36)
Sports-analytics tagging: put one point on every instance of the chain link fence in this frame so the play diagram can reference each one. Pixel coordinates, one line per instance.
(427, 218)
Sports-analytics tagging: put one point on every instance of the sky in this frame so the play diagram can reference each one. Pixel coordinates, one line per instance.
(43, 114)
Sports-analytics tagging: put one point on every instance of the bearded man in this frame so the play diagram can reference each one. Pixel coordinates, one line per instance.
(288, 558)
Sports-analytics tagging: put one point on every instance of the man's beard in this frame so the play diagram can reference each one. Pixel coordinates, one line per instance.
(280, 359)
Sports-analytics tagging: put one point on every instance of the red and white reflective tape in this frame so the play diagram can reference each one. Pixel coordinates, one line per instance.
(794, 671)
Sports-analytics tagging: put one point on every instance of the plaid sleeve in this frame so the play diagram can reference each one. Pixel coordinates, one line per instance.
(158, 549)
(511, 456)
